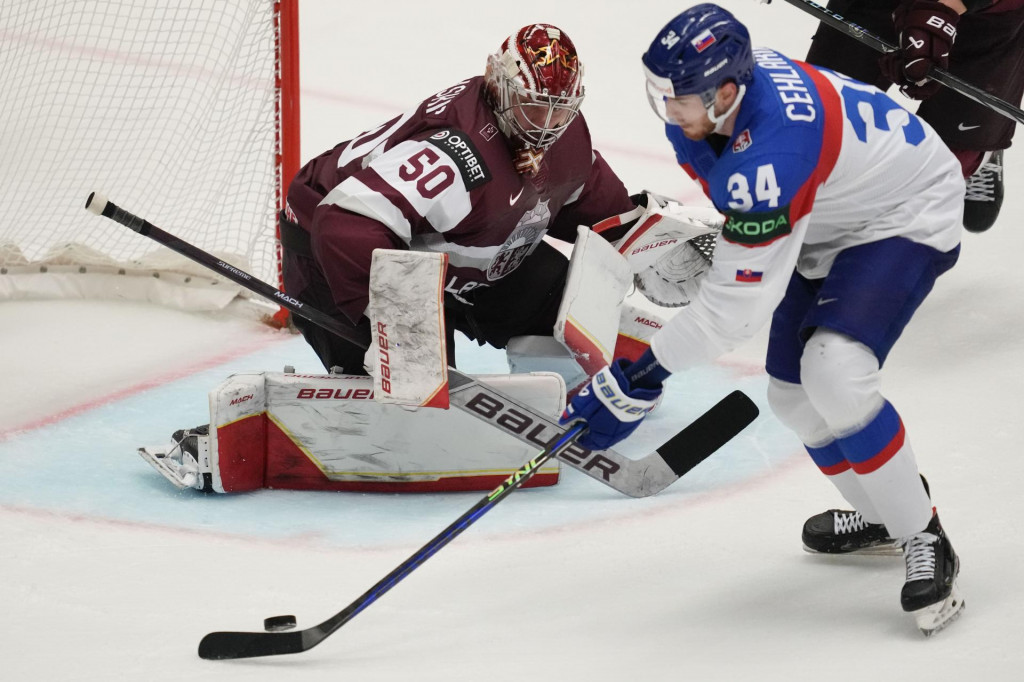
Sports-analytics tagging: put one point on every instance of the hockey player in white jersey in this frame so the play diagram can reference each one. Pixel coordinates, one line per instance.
(842, 210)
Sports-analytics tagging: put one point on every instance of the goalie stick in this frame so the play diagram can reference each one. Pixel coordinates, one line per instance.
(702, 438)
(641, 477)
(863, 36)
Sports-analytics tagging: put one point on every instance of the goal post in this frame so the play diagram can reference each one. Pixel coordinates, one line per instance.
(186, 109)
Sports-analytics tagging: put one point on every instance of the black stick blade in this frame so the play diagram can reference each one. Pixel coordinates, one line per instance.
(219, 646)
(709, 432)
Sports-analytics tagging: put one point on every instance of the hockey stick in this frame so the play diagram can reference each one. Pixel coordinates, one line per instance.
(641, 477)
(861, 35)
(226, 645)
(704, 435)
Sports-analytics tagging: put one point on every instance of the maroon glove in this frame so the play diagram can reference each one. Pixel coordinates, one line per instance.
(926, 29)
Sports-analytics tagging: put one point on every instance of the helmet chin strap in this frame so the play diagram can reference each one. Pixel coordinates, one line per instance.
(719, 121)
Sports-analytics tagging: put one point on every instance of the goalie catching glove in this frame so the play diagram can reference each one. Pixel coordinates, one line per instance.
(616, 400)
(669, 246)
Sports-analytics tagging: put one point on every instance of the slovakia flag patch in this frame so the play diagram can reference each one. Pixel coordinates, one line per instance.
(748, 275)
(742, 143)
(703, 41)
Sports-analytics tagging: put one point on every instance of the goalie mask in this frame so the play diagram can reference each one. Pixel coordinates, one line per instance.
(694, 54)
(535, 85)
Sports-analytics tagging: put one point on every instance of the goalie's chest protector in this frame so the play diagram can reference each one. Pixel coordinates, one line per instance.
(442, 178)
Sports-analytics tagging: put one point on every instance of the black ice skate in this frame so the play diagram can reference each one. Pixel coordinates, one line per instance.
(984, 195)
(185, 462)
(846, 532)
(930, 592)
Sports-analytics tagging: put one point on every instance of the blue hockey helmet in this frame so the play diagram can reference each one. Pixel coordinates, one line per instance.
(695, 53)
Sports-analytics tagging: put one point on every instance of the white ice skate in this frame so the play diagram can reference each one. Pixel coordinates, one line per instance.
(185, 462)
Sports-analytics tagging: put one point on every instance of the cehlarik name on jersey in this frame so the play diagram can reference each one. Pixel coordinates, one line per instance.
(793, 91)
(457, 146)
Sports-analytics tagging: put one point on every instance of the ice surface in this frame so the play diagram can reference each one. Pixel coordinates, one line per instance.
(108, 573)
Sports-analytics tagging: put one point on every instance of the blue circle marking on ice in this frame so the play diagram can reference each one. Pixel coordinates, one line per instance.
(86, 466)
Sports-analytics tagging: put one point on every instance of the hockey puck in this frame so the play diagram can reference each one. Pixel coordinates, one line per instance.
(278, 623)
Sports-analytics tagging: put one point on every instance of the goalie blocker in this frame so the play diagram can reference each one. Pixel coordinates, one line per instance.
(326, 432)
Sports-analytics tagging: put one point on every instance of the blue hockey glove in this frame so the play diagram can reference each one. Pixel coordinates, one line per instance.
(611, 406)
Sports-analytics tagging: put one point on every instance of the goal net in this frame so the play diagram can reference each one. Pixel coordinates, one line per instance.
(182, 111)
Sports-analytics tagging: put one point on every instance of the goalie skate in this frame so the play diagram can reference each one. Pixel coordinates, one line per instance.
(185, 462)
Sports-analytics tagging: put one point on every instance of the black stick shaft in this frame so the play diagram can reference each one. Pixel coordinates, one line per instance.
(240, 277)
(862, 35)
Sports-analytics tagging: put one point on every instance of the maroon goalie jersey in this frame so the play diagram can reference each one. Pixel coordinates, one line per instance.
(441, 178)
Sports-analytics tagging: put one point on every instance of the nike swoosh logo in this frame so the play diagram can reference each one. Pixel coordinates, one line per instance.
(827, 300)
(963, 127)
(515, 197)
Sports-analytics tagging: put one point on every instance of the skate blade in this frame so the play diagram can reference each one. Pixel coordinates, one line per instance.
(886, 549)
(158, 460)
(937, 617)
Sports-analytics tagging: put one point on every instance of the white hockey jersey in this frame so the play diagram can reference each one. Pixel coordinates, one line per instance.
(817, 163)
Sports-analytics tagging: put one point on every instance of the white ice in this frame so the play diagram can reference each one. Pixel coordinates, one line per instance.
(107, 572)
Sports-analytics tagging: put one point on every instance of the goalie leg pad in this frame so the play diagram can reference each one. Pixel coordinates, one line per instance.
(408, 356)
(326, 432)
(636, 329)
(588, 316)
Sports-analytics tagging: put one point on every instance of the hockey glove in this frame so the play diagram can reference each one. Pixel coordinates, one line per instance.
(927, 30)
(611, 406)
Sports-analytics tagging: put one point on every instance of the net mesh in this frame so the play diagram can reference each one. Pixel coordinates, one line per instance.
(166, 106)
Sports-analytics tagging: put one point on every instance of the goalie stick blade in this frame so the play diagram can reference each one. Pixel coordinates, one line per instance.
(709, 432)
(220, 646)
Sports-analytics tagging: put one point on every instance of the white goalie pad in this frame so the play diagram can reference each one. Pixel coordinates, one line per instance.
(588, 317)
(636, 328)
(326, 432)
(544, 354)
(407, 357)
